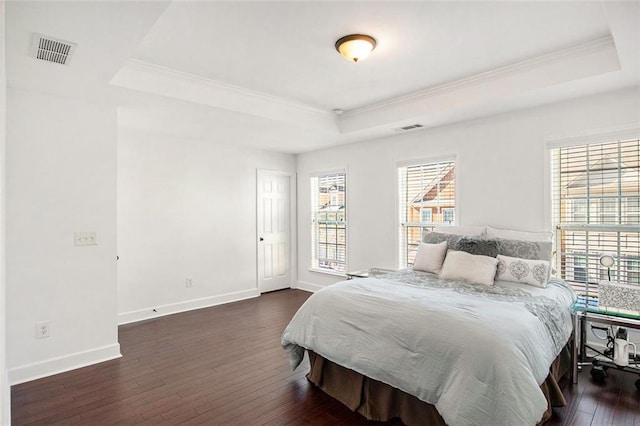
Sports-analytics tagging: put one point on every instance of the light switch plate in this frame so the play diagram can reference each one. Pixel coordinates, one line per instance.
(85, 239)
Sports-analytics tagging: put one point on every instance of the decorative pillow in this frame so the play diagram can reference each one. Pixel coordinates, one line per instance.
(475, 231)
(477, 246)
(429, 257)
(535, 250)
(476, 269)
(512, 234)
(437, 237)
(532, 272)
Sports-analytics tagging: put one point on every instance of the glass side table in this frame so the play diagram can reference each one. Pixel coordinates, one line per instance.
(369, 273)
(586, 308)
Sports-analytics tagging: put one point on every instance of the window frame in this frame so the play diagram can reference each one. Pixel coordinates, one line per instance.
(596, 209)
(403, 250)
(314, 229)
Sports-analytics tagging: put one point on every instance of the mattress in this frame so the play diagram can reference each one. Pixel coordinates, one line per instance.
(378, 401)
(479, 354)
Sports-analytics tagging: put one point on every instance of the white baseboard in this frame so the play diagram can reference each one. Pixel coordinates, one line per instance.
(6, 399)
(49, 367)
(303, 285)
(189, 305)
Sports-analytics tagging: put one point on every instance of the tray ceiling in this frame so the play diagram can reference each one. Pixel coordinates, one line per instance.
(266, 74)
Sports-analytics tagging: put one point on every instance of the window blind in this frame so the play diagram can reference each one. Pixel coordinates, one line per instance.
(329, 222)
(596, 211)
(426, 198)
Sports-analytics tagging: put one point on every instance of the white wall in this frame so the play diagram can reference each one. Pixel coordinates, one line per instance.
(61, 178)
(5, 393)
(501, 165)
(186, 208)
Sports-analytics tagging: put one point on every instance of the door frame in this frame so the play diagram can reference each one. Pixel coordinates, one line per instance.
(293, 223)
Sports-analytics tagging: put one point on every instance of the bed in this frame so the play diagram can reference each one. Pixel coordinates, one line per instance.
(431, 350)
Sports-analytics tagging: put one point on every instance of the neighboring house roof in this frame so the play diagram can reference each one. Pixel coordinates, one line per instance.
(428, 196)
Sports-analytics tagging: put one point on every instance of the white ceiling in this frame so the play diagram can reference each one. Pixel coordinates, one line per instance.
(287, 48)
(266, 74)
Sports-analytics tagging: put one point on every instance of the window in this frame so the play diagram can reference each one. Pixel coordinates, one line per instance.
(580, 268)
(329, 222)
(632, 210)
(595, 192)
(578, 210)
(427, 215)
(448, 215)
(426, 198)
(633, 271)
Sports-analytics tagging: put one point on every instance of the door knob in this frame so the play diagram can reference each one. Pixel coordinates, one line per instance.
(261, 239)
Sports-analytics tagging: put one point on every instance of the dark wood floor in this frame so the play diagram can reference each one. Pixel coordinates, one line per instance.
(224, 365)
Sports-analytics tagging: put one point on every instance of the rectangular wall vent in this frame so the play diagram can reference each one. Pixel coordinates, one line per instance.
(407, 128)
(51, 49)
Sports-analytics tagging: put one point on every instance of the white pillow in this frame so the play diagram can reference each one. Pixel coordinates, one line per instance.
(476, 269)
(429, 257)
(526, 271)
(512, 234)
(473, 231)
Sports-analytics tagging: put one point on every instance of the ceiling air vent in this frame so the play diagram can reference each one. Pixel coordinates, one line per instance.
(51, 49)
(407, 128)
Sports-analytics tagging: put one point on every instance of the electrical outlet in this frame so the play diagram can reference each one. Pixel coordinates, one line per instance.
(188, 282)
(42, 330)
(85, 239)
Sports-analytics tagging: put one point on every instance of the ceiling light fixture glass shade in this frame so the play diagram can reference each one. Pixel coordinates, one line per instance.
(355, 47)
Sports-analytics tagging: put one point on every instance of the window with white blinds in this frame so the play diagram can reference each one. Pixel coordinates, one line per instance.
(329, 222)
(596, 211)
(427, 198)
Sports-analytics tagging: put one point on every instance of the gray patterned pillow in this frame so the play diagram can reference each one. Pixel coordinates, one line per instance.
(484, 247)
(437, 237)
(534, 250)
(527, 271)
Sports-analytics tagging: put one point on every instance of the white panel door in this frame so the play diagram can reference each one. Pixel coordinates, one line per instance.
(274, 266)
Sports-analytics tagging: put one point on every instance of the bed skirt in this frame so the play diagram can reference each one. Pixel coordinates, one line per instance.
(380, 402)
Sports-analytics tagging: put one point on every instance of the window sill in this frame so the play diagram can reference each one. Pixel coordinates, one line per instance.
(324, 271)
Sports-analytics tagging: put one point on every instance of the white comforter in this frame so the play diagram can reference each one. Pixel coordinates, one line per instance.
(479, 354)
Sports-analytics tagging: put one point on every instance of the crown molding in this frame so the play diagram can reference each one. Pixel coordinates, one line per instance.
(159, 80)
(239, 90)
(576, 51)
(590, 59)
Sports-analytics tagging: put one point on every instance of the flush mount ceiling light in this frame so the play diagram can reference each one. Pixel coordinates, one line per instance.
(355, 47)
